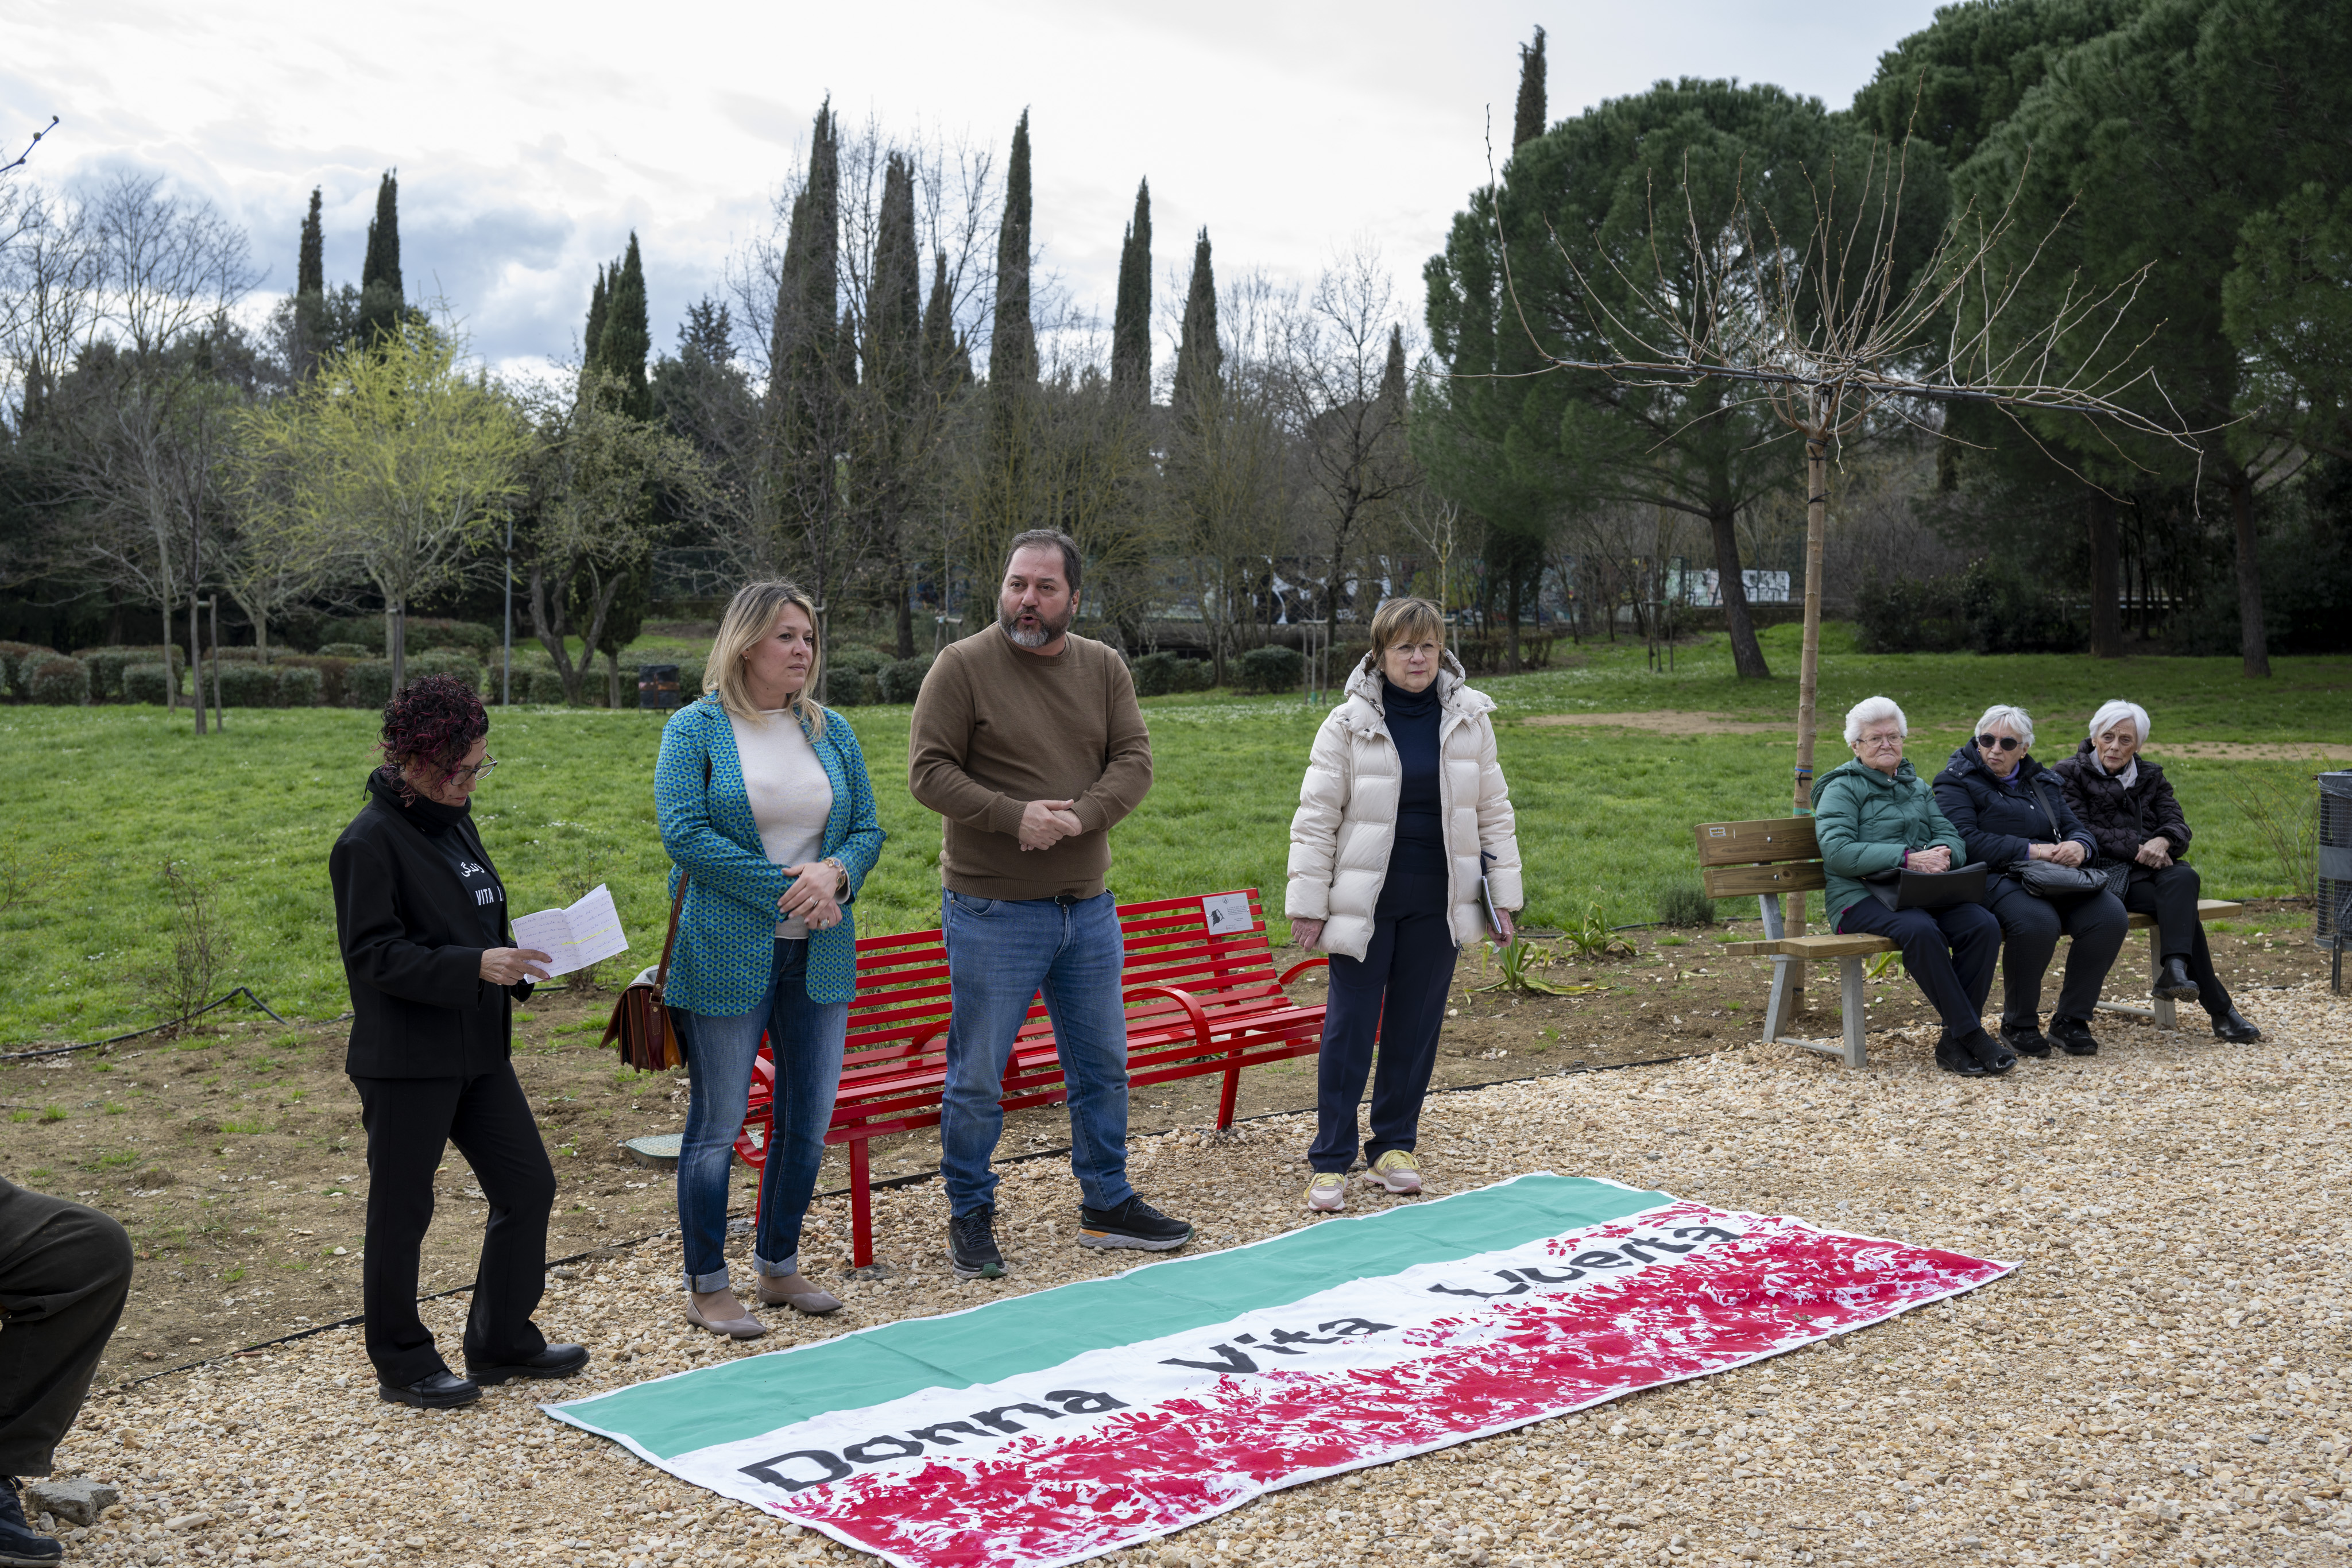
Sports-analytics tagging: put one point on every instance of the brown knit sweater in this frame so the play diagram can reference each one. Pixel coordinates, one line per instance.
(996, 728)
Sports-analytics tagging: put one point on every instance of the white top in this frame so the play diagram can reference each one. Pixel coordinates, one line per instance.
(791, 795)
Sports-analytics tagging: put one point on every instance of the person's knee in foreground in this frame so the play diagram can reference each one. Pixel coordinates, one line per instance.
(1875, 816)
(2011, 813)
(2126, 802)
(1404, 774)
(765, 808)
(421, 917)
(65, 1273)
(1027, 741)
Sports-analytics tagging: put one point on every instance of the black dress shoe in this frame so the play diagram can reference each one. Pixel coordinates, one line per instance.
(1991, 1055)
(2173, 983)
(2027, 1041)
(442, 1391)
(1954, 1056)
(21, 1545)
(2075, 1037)
(555, 1361)
(2232, 1025)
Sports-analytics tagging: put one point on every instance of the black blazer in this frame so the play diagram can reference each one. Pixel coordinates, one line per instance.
(412, 946)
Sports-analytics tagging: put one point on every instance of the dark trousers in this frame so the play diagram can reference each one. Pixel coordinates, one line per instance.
(410, 1121)
(2170, 895)
(1949, 953)
(1395, 996)
(2029, 926)
(65, 1273)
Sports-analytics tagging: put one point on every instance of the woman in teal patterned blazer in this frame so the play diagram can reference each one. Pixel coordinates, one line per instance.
(765, 807)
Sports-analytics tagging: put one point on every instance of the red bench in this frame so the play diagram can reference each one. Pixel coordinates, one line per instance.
(1202, 995)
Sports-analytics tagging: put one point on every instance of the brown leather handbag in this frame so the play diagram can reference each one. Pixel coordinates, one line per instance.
(641, 1022)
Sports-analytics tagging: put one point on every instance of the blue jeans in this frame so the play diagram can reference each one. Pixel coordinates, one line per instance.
(1001, 953)
(806, 1039)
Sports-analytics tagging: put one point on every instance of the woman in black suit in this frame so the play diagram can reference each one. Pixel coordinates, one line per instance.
(433, 973)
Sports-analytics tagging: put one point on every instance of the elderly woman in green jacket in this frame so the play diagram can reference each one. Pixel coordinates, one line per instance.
(1874, 815)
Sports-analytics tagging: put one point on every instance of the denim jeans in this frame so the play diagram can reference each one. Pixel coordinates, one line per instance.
(1001, 953)
(806, 1039)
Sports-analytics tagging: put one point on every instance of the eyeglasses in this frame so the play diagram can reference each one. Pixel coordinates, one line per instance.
(2005, 742)
(1881, 742)
(475, 772)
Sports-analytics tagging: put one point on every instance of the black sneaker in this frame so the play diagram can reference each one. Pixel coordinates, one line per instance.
(2076, 1035)
(972, 1245)
(1954, 1056)
(1135, 1223)
(2027, 1041)
(20, 1544)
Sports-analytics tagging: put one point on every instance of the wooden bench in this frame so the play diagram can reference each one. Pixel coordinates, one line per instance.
(1202, 999)
(1780, 855)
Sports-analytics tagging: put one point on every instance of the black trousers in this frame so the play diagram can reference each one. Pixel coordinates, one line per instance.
(2031, 925)
(410, 1121)
(2170, 895)
(65, 1273)
(1949, 953)
(1393, 997)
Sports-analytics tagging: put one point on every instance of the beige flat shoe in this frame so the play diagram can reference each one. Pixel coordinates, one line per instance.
(813, 1302)
(741, 1326)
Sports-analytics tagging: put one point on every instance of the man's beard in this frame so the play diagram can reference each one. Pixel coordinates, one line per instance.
(1047, 628)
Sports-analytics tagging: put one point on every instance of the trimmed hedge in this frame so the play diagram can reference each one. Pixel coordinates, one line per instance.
(902, 678)
(345, 651)
(16, 662)
(1162, 675)
(107, 664)
(58, 681)
(144, 683)
(367, 683)
(248, 685)
(299, 686)
(848, 689)
(455, 662)
(1270, 669)
(422, 634)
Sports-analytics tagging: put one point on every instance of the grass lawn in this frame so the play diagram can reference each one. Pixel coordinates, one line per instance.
(103, 796)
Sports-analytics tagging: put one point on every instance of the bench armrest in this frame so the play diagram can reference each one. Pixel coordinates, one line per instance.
(1297, 969)
(1182, 999)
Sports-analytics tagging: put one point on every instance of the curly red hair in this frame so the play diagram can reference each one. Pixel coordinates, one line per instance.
(433, 720)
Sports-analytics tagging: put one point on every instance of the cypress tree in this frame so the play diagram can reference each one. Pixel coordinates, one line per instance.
(1199, 360)
(625, 338)
(809, 362)
(946, 366)
(1528, 121)
(1393, 374)
(382, 300)
(1130, 331)
(1012, 349)
(591, 341)
(310, 270)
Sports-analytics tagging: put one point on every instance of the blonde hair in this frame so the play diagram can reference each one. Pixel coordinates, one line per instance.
(751, 616)
(1403, 620)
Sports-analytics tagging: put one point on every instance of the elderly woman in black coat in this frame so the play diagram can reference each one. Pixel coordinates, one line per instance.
(2010, 813)
(2124, 802)
(433, 974)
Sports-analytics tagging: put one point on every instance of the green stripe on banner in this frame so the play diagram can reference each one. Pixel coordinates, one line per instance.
(1022, 1334)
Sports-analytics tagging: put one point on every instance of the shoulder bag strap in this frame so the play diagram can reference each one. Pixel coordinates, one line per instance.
(677, 907)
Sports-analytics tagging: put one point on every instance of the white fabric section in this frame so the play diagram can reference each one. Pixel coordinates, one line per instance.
(2127, 778)
(1346, 822)
(791, 795)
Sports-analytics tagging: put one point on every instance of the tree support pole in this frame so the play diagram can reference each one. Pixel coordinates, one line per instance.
(1809, 668)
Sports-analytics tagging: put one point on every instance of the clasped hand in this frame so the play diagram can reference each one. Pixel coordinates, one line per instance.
(2067, 851)
(811, 896)
(2157, 853)
(1934, 858)
(1044, 824)
(513, 966)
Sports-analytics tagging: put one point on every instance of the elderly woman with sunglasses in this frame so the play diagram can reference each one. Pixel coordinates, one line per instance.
(2012, 811)
(2128, 806)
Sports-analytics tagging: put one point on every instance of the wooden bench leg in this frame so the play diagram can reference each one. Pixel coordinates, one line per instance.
(1851, 1007)
(861, 1206)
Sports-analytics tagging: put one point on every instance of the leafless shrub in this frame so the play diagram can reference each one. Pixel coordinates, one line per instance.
(2280, 802)
(200, 948)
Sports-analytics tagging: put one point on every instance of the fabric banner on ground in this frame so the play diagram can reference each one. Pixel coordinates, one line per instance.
(1049, 1427)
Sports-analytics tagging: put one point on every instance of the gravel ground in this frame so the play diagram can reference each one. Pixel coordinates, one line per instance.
(2164, 1379)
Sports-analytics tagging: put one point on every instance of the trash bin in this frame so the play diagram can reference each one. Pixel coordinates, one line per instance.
(2331, 928)
(658, 686)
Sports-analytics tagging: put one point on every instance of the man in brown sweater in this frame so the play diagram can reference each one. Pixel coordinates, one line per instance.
(1027, 741)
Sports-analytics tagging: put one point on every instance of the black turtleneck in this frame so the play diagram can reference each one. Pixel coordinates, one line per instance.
(1420, 849)
(449, 829)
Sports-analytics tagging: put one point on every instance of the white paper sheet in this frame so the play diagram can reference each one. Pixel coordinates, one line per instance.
(587, 932)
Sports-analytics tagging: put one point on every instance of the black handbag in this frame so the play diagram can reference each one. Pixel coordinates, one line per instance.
(2048, 879)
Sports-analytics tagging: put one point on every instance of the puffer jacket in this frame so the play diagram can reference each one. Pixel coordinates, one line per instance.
(2000, 825)
(2122, 820)
(1866, 822)
(1346, 822)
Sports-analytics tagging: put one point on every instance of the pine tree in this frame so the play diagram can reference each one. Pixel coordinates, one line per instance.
(625, 339)
(1199, 360)
(382, 300)
(1528, 120)
(310, 270)
(592, 340)
(1130, 332)
(1012, 346)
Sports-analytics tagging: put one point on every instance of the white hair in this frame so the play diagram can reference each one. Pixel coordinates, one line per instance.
(2107, 717)
(2016, 720)
(1870, 710)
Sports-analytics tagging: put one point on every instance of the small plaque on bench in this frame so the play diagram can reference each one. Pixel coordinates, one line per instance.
(1226, 912)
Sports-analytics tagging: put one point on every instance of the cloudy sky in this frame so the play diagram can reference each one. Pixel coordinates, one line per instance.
(531, 138)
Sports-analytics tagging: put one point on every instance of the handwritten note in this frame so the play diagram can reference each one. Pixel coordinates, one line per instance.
(587, 932)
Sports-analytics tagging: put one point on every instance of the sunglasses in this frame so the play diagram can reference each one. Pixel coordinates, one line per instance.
(2005, 742)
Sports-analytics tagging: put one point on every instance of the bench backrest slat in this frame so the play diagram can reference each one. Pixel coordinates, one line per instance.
(1748, 843)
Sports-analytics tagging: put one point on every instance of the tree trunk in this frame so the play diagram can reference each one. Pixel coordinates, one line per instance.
(396, 630)
(905, 592)
(2107, 589)
(2251, 641)
(1746, 657)
(195, 660)
(1511, 640)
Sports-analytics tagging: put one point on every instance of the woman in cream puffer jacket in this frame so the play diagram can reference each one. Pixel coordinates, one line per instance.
(1402, 809)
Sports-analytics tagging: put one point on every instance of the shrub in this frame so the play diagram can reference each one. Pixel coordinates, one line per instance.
(546, 686)
(1160, 674)
(689, 679)
(902, 678)
(847, 689)
(248, 685)
(146, 683)
(858, 656)
(422, 634)
(1270, 669)
(330, 672)
(367, 683)
(16, 662)
(345, 651)
(455, 662)
(107, 664)
(300, 686)
(58, 681)
(1684, 904)
(1985, 610)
